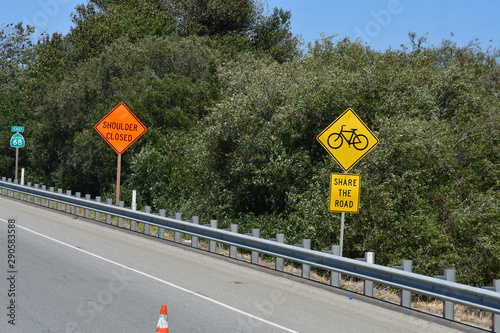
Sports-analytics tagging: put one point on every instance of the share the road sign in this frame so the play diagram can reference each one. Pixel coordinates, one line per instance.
(347, 139)
(120, 128)
(344, 192)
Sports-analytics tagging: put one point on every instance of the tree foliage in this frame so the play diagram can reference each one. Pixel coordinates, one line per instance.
(233, 108)
(16, 53)
(101, 22)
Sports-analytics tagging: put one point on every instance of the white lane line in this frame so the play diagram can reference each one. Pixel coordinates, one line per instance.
(161, 281)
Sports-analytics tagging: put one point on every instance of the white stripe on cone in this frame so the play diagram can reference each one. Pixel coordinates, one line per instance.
(162, 326)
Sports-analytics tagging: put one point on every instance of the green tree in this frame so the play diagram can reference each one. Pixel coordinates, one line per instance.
(215, 17)
(273, 34)
(16, 53)
(101, 22)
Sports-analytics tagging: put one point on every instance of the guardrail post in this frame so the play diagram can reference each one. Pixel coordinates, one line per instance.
(407, 266)
(86, 213)
(147, 210)
(43, 201)
(59, 204)
(35, 198)
(14, 192)
(21, 196)
(108, 215)
(334, 276)
(9, 191)
(278, 262)
(368, 285)
(51, 202)
(97, 214)
(121, 204)
(161, 230)
(77, 208)
(134, 208)
(68, 206)
(29, 197)
(194, 239)
(213, 244)
(306, 269)
(233, 250)
(177, 234)
(495, 320)
(254, 259)
(448, 307)
(405, 294)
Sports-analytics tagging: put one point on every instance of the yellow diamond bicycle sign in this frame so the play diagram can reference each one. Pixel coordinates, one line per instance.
(347, 139)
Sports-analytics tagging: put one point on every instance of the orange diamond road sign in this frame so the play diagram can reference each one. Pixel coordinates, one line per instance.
(120, 128)
(344, 192)
(347, 139)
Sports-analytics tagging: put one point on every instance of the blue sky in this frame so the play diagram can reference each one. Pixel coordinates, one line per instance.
(385, 23)
(378, 23)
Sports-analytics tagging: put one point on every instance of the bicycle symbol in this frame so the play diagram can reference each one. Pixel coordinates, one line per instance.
(358, 141)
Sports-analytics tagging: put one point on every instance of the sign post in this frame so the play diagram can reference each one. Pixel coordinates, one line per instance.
(347, 140)
(120, 128)
(17, 141)
(118, 173)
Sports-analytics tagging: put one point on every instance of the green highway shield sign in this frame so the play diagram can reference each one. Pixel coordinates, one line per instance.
(17, 141)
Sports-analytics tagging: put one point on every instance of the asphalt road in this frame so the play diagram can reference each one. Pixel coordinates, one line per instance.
(72, 275)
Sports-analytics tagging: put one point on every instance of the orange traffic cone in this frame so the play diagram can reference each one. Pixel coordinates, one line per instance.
(162, 326)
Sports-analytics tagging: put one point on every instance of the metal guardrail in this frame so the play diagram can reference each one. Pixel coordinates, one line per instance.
(485, 299)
